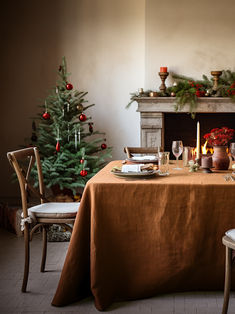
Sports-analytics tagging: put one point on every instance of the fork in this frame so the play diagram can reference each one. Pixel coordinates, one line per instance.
(229, 177)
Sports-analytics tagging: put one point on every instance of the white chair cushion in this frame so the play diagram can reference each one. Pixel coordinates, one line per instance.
(231, 234)
(54, 210)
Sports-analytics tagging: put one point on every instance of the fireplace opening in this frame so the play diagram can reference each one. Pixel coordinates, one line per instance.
(180, 126)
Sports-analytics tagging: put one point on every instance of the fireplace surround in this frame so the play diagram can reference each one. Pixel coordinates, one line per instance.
(156, 112)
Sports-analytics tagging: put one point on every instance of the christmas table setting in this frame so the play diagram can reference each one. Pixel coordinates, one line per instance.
(135, 238)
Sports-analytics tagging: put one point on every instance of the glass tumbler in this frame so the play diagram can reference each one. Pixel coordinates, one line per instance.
(163, 163)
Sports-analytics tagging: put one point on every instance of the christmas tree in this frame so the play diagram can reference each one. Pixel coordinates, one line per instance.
(71, 152)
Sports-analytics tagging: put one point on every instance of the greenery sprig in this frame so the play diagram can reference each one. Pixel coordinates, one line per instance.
(187, 90)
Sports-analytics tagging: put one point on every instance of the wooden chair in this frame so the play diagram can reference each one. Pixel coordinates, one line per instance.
(43, 215)
(140, 150)
(229, 248)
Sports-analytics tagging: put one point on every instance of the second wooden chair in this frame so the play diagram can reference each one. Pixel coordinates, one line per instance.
(140, 150)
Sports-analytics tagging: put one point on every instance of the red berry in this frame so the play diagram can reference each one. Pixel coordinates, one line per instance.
(103, 146)
(46, 116)
(82, 161)
(83, 173)
(69, 86)
(82, 117)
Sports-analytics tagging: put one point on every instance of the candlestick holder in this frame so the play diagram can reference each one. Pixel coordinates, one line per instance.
(216, 75)
(163, 76)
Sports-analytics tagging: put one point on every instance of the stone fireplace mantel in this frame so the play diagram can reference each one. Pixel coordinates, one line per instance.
(152, 110)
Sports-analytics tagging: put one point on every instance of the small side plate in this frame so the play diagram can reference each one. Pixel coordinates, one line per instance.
(142, 161)
(142, 174)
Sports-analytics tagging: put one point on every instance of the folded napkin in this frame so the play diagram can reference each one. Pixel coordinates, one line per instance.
(132, 168)
(231, 234)
(147, 157)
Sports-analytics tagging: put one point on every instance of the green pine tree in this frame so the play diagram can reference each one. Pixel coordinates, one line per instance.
(71, 153)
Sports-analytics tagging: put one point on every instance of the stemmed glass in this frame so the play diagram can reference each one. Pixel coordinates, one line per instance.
(232, 150)
(177, 149)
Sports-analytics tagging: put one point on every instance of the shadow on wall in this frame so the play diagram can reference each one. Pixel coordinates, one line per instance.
(32, 48)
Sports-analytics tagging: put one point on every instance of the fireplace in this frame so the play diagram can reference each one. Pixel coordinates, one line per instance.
(160, 124)
(183, 127)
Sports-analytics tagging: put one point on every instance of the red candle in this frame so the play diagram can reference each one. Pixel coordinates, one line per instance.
(163, 69)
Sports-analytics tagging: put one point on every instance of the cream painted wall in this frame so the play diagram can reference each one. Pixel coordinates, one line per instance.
(104, 43)
(190, 37)
(106, 54)
(112, 48)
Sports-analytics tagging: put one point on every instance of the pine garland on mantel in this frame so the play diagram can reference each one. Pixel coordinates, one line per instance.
(186, 90)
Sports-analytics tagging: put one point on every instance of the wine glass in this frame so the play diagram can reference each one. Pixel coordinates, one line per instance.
(177, 149)
(232, 151)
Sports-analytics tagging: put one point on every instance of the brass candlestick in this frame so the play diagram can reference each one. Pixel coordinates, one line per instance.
(163, 76)
(216, 75)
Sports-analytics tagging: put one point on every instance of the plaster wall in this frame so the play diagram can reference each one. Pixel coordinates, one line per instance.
(189, 37)
(112, 48)
(104, 44)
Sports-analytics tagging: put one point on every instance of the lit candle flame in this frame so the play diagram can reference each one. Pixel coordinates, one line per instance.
(204, 149)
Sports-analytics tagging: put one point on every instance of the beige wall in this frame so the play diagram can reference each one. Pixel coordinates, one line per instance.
(190, 37)
(112, 48)
(103, 41)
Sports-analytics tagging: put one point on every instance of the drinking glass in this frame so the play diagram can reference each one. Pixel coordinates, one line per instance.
(163, 163)
(177, 149)
(232, 152)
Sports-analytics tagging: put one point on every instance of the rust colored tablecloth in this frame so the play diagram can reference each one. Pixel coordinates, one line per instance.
(134, 238)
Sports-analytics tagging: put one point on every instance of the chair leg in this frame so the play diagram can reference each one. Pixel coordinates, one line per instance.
(44, 250)
(227, 282)
(26, 261)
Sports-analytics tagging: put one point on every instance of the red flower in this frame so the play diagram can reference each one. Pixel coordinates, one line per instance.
(214, 130)
(219, 137)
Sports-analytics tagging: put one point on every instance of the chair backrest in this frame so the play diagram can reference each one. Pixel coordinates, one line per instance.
(22, 161)
(140, 150)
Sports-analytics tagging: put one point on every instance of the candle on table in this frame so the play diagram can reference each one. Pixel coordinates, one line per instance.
(198, 140)
(206, 161)
(163, 69)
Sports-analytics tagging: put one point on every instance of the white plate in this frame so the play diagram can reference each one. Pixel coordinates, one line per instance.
(142, 174)
(142, 161)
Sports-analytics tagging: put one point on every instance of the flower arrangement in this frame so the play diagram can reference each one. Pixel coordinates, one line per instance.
(219, 137)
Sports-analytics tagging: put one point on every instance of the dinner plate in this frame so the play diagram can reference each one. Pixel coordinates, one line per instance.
(143, 174)
(142, 161)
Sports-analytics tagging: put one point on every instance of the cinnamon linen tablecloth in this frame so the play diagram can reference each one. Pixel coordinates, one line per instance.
(135, 238)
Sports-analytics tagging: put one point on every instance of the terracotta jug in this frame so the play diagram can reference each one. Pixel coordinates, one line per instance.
(220, 158)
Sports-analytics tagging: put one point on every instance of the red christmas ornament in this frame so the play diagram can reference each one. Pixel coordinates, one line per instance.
(57, 146)
(83, 173)
(69, 86)
(46, 116)
(103, 146)
(82, 117)
(82, 161)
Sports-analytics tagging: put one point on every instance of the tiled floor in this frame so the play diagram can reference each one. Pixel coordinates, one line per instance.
(42, 287)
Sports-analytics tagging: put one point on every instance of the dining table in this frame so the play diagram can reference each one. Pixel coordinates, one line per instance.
(137, 237)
